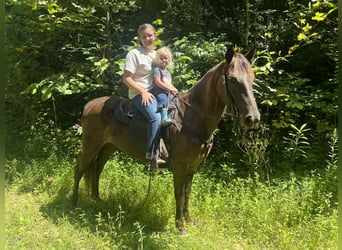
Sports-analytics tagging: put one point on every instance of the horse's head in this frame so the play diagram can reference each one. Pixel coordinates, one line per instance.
(237, 83)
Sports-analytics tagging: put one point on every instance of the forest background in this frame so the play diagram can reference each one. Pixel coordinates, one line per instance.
(61, 54)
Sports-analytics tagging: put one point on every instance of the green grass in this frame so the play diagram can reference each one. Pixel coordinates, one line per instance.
(289, 213)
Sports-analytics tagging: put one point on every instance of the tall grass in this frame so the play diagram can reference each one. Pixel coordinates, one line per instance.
(245, 213)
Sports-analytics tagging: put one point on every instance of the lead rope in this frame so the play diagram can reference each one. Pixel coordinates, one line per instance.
(148, 192)
(151, 168)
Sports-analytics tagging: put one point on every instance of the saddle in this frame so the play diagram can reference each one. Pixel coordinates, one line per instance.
(128, 114)
(126, 110)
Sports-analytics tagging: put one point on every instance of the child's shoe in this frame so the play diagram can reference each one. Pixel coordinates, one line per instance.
(166, 121)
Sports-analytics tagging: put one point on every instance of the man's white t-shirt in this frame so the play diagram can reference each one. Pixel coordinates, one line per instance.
(139, 62)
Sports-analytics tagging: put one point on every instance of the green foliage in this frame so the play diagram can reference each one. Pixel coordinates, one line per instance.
(194, 55)
(60, 51)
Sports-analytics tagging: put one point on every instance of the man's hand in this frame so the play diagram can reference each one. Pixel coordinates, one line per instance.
(147, 98)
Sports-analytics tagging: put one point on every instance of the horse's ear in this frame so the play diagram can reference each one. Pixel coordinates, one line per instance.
(249, 56)
(230, 53)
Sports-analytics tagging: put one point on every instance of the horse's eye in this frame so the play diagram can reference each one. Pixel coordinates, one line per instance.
(232, 78)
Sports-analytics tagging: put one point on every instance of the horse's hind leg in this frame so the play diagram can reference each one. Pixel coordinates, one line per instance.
(83, 164)
(103, 156)
(90, 149)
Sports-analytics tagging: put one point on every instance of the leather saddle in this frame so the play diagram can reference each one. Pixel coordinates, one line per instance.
(126, 110)
(128, 114)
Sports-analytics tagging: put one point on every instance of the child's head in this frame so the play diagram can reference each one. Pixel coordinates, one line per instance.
(163, 57)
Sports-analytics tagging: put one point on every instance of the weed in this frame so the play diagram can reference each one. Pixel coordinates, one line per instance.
(254, 144)
(296, 145)
(140, 234)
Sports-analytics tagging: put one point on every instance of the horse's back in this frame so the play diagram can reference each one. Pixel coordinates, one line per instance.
(102, 106)
(97, 119)
(98, 124)
(94, 106)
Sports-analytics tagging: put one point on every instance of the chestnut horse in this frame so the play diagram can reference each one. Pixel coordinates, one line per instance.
(227, 84)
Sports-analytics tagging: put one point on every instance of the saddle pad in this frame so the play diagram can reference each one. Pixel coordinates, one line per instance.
(138, 134)
(119, 115)
(125, 112)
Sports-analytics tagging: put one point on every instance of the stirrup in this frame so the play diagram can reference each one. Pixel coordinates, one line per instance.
(166, 123)
(161, 161)
(155, 163)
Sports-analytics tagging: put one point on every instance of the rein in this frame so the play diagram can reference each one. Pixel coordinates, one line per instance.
(197, 111)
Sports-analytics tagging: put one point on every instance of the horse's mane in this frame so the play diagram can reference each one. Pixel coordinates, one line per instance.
(238, 65)
(205, 76)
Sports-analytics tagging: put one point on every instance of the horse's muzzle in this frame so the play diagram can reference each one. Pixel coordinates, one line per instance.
(251, 120)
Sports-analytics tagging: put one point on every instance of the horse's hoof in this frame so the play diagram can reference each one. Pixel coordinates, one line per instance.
(183, 232)
(191, 222)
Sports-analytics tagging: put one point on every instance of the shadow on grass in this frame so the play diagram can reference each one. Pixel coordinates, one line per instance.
(120, 217)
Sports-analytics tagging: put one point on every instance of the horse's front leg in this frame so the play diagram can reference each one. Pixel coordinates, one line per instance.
(186, 213)
(181, 186)
(180, 198)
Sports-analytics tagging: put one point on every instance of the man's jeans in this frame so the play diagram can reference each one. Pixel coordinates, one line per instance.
(153, 117)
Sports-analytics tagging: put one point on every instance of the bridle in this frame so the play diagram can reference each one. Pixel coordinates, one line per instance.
(234, 111)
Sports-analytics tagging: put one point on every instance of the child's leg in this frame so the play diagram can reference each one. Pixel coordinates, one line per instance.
(162, 99)
(162, 102)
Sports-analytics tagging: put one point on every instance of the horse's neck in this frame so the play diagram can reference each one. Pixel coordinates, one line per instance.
(205, 105)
